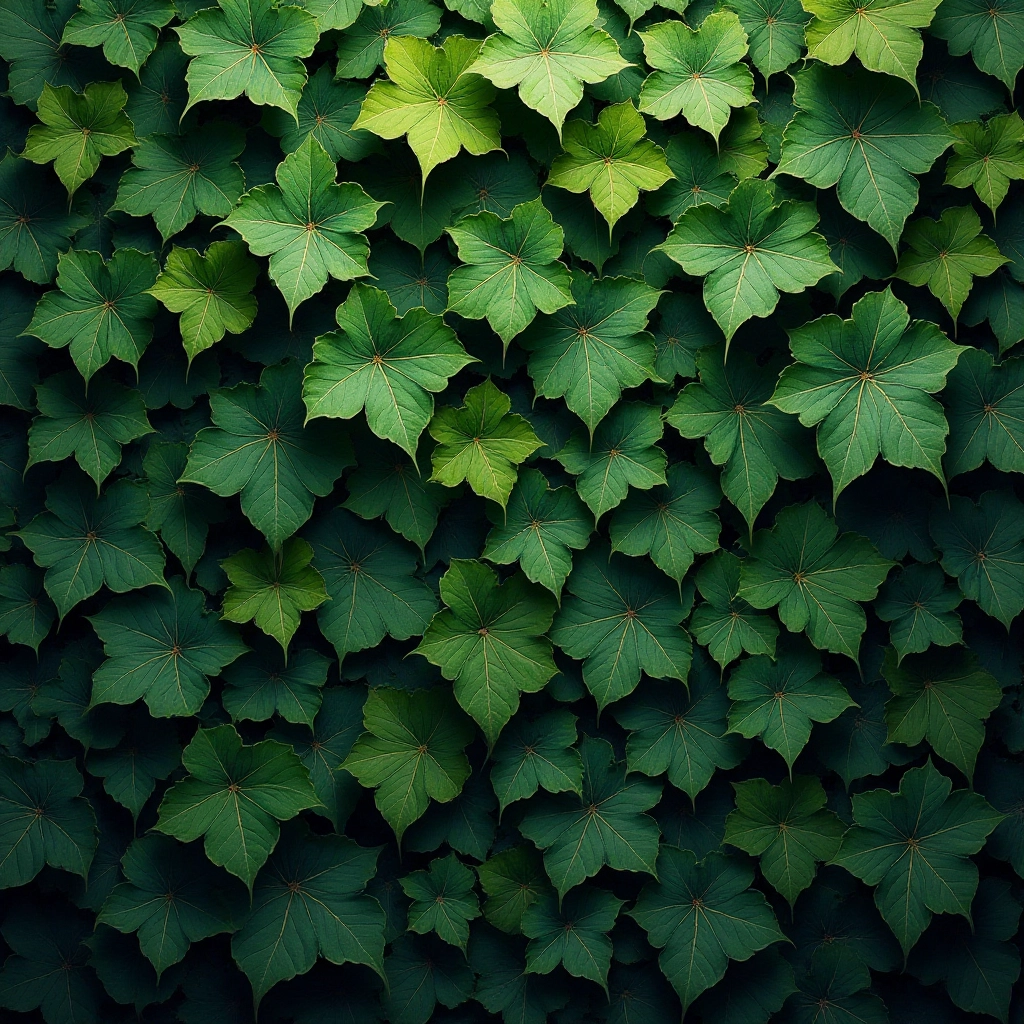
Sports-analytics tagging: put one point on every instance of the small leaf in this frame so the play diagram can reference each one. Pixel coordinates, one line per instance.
(987, 157)
(126, 29)
(921, 608)
(443, 900)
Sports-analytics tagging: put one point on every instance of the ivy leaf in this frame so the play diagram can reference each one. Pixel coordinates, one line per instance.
(865, 383)
(748, 251)
(434, 99)
(605, 826)
(913, 847)
(590, 351)
(869, 136)
(126, 29)
(698, 71)
(987, 157)
(815, 576)
(489, 641)
(361, 48)
(260, 449)
(273, 589)
(623, 617)
(443, 900)
(511, 266)
(91, 425)
(251, 47)
(78, 130)
(101, 310)
(995, 43)
(308, 225)
(779, 700)
(411, 752)
(921, 608)
(787, 827)
(701, 915)
(513, 881)
(548, 52)
(26, 613)
(755, 442)
(482, 443)
(384, 363)
(776, 32)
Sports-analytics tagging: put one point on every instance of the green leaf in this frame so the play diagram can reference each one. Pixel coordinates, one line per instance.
(987, 157)
(853, 247)
(91, 425)
(513, 881)
(913, 847)
(383, 363)
(443, 900)
(684, 327)
(815, 576)
(260, 449)
(999, 782)
(787, 827)
(548, 51)
(308, 225)
(604, 826)
(701, 915)
(273, 589)
(157, 100)
(776, 32)
(126, 29)
(329, 14)
(836, 984)
(699, 72)
(482, 443)
(411, 752)
(361, 48)
(623, 617)
(699, 177)
(590, 351)
(1000, 300)
(101, 309)
(412, 279)
(865, 383)
(996, 42)
(490, 642)
(921, 607)
(26, 613)
(251, 47)
(422, 972)
(78, 130)
(869, 136)
(748, 251)
(511, 267)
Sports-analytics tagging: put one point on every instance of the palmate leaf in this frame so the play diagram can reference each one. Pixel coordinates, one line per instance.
(26, 613)
(422, 972)
(512, 880)
(921, 607)
(361, 48)
(503, 986)
(993, 33)
(775, 29)
(836, 987)
(443, 900)
(987, 157)
(262, 683)
(126, 29)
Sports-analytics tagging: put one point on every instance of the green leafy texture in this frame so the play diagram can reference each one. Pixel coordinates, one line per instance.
(259, 449)
(995, 41)
(947, 254)
(212, 291)
(512, 880)
(101, 309)
(539, 526)
(865, 383)
(699, 72)
(815, 576)
(755, 442)
(684, 327)
(748, 251)
(409, 279)
(511, 266)
(422, 973)
(775, 29)
(548, 51)
(590, 351)
(309, 901)
(235, 795)
(26, 613)
(622, 453)
(987, 157)
(867, 135)
(574, 935)
(308, 225)
(78, 130)
(611, 160)
(787, 827)
(701, 915)
(86, 541)
(371, 581)
(699, 177)
(679, 733)
(481, 443)
(126, 29)
(273, 589)
(942, 698)
(490, 642)
(1000, 782)
(261, 684)
(982, 549)
(361, 48)
(91, 425)
(434, 99)
(251, 47)
(538, 753)
(623, 617)
(835, 988)
(383, 363)
(914, 848)
(411, 752)
(922, 609)
(171, 897)
(778, 701)
(44, 819)
(605, 826)
(443, 900)
(724, 624)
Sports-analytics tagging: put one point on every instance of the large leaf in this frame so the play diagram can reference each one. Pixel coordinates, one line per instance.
(994, 35)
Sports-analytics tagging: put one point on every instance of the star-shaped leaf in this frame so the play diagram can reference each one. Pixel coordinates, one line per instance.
(443, 900)
(776, 32)
(993, 33)
(262, 683)
(921, 607)
(361, 47)
(126, 29)
(513, 880)
(987, 157)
